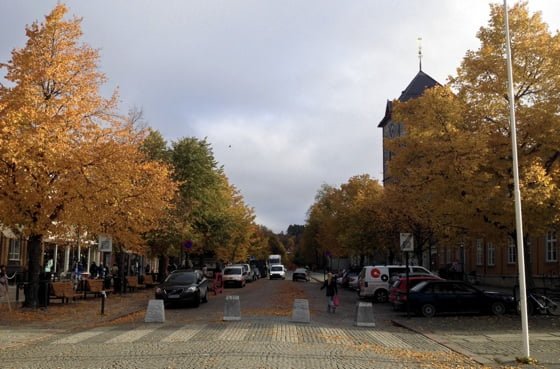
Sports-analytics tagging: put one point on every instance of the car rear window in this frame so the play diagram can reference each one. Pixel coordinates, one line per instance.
(419, 286)
(187, 278)
(420, 270)
(276, 268)
(232, 271)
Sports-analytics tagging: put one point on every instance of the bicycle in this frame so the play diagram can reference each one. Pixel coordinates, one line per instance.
(544, 301)
(541, 304)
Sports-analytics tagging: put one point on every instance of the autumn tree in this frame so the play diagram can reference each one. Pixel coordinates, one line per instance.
(170, 232)
(432, 170)
(359, 218)
(67, 157)
(463, 139)
(321, 225)
(208, 211)
(347, 220)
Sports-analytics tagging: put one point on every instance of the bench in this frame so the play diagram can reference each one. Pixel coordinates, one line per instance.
(63, 291)
(94, 287)
(132, 283)
(149, 281)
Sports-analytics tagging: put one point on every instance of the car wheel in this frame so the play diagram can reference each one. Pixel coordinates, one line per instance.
(428, 310)
(205, 298)
(498, 308)
(553, 308)
(381, 296)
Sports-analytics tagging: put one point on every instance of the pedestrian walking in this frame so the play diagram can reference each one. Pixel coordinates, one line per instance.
(332, 291)
(4, 292)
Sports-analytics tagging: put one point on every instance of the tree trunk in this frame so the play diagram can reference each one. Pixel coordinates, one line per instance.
(33, 270)
(122, 271)
(529, 280)
(163, 264)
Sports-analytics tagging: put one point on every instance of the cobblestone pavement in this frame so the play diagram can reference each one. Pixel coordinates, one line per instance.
(77, 336)
(492, 339)
(258, 343)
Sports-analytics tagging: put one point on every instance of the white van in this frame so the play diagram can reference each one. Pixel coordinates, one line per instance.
(248, 273)
(374, 280)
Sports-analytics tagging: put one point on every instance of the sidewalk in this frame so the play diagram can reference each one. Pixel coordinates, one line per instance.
(489, 340)
(76, 314)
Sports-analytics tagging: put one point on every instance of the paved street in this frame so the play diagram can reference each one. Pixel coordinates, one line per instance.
(266, 338)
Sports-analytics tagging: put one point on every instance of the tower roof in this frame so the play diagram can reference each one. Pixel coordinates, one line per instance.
(416, 87)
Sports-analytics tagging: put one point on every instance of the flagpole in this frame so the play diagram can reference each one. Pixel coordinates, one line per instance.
(517, 194)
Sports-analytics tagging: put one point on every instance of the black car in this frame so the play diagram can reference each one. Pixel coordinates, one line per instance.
(183, 287)
(300, 274)
(443, 296)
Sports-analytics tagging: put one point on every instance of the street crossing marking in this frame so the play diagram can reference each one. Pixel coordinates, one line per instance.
(389, 340)
(78, 337)
(335, 335)
(278, 333)
(131, 336)
(233, 334)
(183, 334)
(284, 333)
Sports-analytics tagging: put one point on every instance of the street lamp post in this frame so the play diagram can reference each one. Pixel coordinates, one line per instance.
(517, 193)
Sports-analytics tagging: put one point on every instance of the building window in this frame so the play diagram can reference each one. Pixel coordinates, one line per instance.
(479, 253)
(14, 253)
(491, 254)
(512, 251)
(551, 249)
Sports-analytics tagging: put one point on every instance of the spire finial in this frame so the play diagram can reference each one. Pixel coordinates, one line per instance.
(420, 52)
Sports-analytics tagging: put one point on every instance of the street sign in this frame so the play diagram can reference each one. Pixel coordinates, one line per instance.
(105, 243)
(407, 242)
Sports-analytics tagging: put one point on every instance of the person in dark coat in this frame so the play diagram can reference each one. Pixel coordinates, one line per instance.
(332, 290)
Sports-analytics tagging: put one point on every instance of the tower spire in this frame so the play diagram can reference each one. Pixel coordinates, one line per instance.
(420, 52)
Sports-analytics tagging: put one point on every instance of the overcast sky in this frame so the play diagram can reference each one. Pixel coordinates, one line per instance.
(288, 92)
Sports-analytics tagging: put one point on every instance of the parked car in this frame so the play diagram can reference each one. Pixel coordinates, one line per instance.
(248, 272)
(233, 275)
(300, 274)
(374, 281)
(442, 296)
(349, 279)
(183, 287)
(397, 291)
(277, 271)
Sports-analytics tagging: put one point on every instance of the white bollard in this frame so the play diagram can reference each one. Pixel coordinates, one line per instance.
(364, 314)
(155, 313)
(232, 309)
(300, 311)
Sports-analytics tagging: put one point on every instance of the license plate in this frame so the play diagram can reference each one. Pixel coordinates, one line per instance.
(173, 296)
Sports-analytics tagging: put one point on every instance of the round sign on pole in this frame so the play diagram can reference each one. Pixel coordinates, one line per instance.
(187, 245)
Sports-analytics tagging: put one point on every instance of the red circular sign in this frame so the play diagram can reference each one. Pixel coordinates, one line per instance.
(375, 273)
